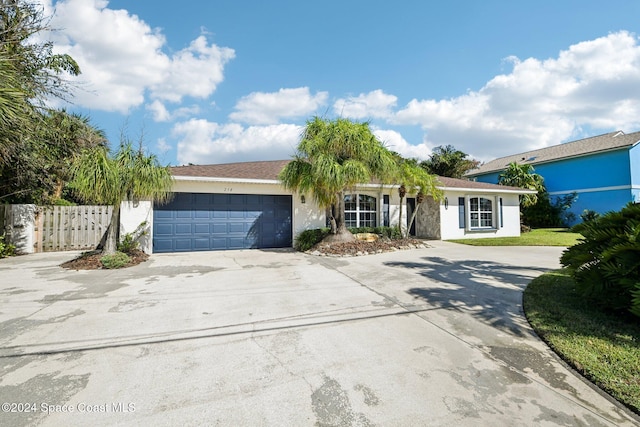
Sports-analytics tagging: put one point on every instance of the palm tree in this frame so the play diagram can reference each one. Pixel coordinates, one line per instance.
(414, 180)
(332, 157)
(128, 175)
(523, 176)
(448, 161)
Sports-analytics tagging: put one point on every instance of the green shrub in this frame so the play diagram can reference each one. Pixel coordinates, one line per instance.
(6, 249)
(308, 238)
(63, 202)
(606, 262)
(130, 241)
(389, 232)
(588, 215)
(117, 260)
(547, 214)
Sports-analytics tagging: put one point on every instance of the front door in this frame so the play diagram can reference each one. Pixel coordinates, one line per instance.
(411, 206)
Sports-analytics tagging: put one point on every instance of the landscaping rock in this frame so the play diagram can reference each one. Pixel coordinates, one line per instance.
(362, 248)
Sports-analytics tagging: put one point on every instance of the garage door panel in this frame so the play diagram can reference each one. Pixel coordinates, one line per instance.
(162, 214)
(201, 243)
(201, 228)
(182, 228)
(183, 214)
(201, 214)
(162, 229)
(236, 243)
(197, 221)
(182, 245)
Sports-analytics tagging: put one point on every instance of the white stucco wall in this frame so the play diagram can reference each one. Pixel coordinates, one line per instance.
(20, 227)
(132, 215)
(449, 217)
(309, 216)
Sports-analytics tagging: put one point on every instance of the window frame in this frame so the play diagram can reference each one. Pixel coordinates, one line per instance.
(360, 213)
(493, 213)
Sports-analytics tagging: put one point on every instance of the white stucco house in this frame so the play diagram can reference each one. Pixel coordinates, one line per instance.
(244, 205)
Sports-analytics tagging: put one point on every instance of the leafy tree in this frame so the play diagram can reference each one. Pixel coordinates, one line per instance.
(15, 109)
(64, 137)
(332, 157)
(30, 73)
(548, 213)
(523, 176)
(41, 72)
(38, 167)
(449, 162)
(414, 179)
(127, 175)
(606, 263)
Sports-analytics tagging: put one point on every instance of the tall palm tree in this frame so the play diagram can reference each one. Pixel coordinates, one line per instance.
(128, 175)
(523, 176)
(332, 157)
(414, 179)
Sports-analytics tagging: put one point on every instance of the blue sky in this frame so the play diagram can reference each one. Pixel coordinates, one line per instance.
(222, 81)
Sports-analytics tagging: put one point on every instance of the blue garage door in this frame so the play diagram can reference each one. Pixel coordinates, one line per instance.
(209, 222)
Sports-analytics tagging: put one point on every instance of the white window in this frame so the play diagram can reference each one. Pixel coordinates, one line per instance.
(360, 210)
(480, 213)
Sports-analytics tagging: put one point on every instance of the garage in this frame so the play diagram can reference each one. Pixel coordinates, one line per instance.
(209, 222)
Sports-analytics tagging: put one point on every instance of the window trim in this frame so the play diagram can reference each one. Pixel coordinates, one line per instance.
(358, 211)
(496, 217)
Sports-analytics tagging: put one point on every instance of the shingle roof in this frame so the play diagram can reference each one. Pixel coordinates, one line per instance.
(264, 170)
(269, 170)
(595, 144)
(453, 183)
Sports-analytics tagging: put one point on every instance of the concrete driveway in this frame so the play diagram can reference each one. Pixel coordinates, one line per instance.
(428, 337)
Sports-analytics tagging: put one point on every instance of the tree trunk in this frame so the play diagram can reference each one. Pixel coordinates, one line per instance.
(402, 191)
(400, 218)
(111, 243)
(342, 233)
(419, 199)
(413, 218)
(58, 191)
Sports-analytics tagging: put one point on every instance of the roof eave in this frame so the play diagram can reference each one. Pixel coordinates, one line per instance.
(221, 179)
(488, 190)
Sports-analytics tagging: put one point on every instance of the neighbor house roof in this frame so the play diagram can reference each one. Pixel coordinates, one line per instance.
(267, 172)
(246, 171)
(595, 144)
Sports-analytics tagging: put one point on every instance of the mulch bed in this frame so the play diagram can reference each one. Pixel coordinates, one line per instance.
(359, 248)
(91, 260)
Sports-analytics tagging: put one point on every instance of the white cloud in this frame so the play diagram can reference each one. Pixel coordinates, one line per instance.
(593, 84)
(375, 104)
(122, 58)
(395, 142)
(162, 146)
(260, 108)
(160, 113)
(204, 142)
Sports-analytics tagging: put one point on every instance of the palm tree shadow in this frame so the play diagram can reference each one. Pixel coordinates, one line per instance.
(487, 290)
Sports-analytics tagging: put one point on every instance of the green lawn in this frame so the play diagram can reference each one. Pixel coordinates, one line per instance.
(602, 346)
(538, 237)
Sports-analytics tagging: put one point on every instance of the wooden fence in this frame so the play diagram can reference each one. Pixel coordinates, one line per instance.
(70, 228)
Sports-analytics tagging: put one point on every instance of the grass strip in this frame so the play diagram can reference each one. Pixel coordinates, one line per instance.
(538, 237)
(602, 346)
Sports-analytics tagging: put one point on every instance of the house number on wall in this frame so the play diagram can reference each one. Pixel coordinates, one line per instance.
(228, 189)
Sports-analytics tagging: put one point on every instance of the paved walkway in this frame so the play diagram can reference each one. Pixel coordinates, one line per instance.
(432, 337)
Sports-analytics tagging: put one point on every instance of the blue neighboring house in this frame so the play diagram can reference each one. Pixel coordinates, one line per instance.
(603, 170)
